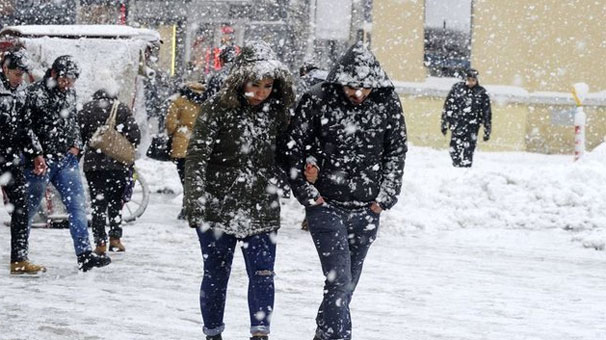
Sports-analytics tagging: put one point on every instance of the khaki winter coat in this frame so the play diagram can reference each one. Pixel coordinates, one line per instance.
(181, 117)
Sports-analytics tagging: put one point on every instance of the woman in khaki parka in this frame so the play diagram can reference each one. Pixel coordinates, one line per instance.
(180, 120)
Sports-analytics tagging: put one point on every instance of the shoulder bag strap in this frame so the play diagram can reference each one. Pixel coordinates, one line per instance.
(111, 120)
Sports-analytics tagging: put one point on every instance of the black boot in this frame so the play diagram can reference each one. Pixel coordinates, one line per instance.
(259, 337)
(214, 337)
(88, 261)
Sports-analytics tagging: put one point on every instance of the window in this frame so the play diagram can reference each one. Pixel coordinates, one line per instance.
(447, 37)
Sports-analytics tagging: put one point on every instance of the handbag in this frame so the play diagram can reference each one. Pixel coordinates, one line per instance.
(160, 147)
(111, 142)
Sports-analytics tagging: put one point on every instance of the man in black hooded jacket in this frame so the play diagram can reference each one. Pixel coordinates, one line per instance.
(13, 140)
(351, 128)
(465, 109)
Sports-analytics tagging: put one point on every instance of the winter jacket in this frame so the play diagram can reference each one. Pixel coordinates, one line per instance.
(50, 115)
(215, 82)
(465, 109)
(360, 149)
(230, 169)
(93, 115)
(13, 135)
(181, 117)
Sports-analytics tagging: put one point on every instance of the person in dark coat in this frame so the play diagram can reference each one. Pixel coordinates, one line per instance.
(216, 80)
(351, 129)
(107, 178)
(13, 140)
(230, 183)
(467, 106)
(50, 115)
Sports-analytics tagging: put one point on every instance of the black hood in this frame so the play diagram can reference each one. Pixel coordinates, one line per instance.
(357, 68)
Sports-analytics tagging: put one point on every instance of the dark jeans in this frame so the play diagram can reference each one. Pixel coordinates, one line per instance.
(106, 193)
(462, 148)
(217, 254)
(15, 191)
(64, 173)
(342, 239)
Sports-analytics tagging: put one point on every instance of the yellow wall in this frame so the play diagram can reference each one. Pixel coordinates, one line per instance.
(546, 137)
(540, 45)
(397, 38)
(423, 124)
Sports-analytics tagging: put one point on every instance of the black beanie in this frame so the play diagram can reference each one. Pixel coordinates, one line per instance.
(66, 66)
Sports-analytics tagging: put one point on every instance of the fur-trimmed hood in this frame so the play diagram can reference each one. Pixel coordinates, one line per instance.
(257, 61)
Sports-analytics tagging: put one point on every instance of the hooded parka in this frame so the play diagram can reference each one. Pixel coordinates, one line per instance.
(230, 170)
(360, 149)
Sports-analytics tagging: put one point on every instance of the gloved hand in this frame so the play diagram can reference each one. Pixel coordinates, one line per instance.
(486, 138)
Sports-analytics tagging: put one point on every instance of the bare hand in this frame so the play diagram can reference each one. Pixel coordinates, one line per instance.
(320, 201)
(311, 173)
(40, 166)
(376, 208)
(74, 151)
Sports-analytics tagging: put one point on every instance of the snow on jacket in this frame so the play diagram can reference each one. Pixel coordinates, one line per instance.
(465, 109)
(181, 117)
(230, 172)
(50, 115)
(360, 149)
(13, 135)
(93, 115)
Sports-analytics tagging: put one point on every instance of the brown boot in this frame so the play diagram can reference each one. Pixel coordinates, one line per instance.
(116, 245)
(26, 267)
(100, 249)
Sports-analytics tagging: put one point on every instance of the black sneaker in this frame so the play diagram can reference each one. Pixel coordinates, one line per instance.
(259, 337)
(88, 261)
(214, 337)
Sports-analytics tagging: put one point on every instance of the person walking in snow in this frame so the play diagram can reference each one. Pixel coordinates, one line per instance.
(350, 131)
(180, 120)
(13, 140)
(50, 114)
(230, 184)
(467, 106)
(107, 178)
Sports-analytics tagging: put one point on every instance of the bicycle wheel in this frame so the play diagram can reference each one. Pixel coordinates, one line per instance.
(139, 200)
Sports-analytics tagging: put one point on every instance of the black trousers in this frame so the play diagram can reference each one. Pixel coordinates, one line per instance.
(462, 147)
(16, 194)
(106, 191)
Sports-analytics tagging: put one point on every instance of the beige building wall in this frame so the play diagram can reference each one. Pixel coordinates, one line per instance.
(540, 45)
(546, 137)
(423, 114)
(397, 38)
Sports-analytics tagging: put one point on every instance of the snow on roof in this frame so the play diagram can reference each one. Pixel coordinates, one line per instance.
(96, 31)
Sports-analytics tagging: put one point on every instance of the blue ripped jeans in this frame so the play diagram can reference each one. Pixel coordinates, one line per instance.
(342, 239)
(217, 254)
(64, 173)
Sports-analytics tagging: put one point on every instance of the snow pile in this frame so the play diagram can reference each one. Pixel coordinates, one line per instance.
(501, 191)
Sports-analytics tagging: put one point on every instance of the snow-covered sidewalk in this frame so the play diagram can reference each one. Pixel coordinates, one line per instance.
(485, 253)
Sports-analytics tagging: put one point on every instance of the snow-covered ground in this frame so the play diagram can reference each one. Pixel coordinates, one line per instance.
(505, 250)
